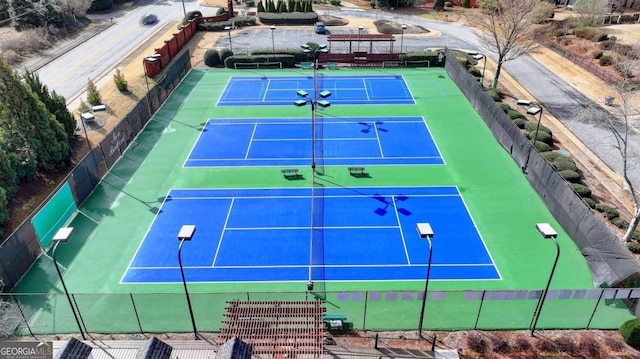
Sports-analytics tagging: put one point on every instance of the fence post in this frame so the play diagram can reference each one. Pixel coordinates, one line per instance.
(595, 309)
(375, 343)
(475, 326)
(73, 297)
(26, 323)
(135, 310)
(364, 319)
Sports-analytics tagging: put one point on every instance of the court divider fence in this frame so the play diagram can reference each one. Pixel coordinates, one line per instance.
(22, 248)
(608, 259)
(600, 308)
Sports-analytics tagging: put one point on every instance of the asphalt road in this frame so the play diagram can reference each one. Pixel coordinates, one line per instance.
(68, 74)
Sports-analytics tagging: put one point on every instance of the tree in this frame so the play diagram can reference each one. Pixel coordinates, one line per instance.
(9, 316)
(506, 27)
(55, 104)
(28, 129)
(590, 12)
(93, 95)
(120, 82)
(620, 125)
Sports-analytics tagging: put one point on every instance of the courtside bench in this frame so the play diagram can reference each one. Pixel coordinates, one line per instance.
(335, 321)
(290, 173)
(357, 171)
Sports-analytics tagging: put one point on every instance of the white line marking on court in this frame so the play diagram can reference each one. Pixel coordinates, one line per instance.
(223, 94)
(253, 134)
(408, 90)
(193, 146)
(224, 229)
(307, 196)
(404, 243)
(266, 91)
(386, 265)
(375, 128)
(305, 228)
(366, 88)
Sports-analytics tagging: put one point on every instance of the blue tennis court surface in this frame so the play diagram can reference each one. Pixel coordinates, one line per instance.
(339, 141)
(346, 90)
(266, 235)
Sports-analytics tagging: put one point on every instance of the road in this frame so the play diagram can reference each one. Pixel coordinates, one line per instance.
(68, 74)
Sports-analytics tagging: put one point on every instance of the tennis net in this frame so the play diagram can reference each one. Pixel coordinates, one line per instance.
(316, 247)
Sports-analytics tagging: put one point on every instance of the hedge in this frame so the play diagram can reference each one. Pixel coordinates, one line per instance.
(504, 106)
(633, 247)
(288, 61)
(520, 122)
(564, 163)
(296, 53)
(605, 60)
(211, 58)
(513, 114)
(608, 211)
(290, 18)
(581, 190)
(620, 222)
(220, 25)
(494, 93)
(532, 126)
(590, 202)
(630, 331)
(541, 146)
(571, 176)
(541, 136)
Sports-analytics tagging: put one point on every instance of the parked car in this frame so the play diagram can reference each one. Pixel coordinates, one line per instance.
(148, 19)
(320, 29)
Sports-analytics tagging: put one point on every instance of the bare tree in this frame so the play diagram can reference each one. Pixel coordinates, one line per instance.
(619, 122)
(9, 316)
(590, 12)
(506, 27)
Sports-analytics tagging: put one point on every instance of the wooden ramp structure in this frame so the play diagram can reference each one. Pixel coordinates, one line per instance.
(277, 329)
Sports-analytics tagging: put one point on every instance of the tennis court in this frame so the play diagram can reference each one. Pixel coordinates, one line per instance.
(345, 90)
(365, 234)
(212, 157)
(288, 142)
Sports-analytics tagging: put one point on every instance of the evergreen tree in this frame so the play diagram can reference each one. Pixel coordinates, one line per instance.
(9, 180)
(29, 130)
(260, 6)
(4, 213)
(291, 5)
(93, 95)
(55, 104)
(271, 6)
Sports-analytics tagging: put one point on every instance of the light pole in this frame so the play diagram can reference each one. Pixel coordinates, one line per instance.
(425, 231)
(360, 28)
(62, 236)
(477, 57)
(404, 27)
(184, 10)
(273, 41)
(546, 231)
(533, 110)
(186, 234)
(318, 99)
(228, 29)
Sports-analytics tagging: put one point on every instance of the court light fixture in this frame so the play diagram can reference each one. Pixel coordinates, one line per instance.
(324, 103)
(62, 236)
(547, 232)
(186, 233)
(299, 103)
(302, 93)
(228, 30)
(534, 109)
(425, 232)
(325, 94)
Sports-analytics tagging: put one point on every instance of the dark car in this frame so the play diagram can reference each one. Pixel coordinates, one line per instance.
(320, 29)
(148, 19)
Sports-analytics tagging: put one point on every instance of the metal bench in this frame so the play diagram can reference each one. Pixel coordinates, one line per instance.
(335, 321)
(87, 117)
(98, 108)
(357, 171)
(305, 65)
(332, 65)
(290, 173)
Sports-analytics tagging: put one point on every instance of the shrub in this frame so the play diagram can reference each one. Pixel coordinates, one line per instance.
(597, 54)
(541, 136)
(588, 33)
(620, 222)
(448, 4)
(607, 211)
(288, 61)
(212, 58)
(475, 72)
(541, 146)
(571, 176)
(623, 70)
(478, 343)
(532, 126)
(466, 3)
(500, 345)
(607, 45)
(522, 345)
(291, 18)
(190, 15)
(633, 247)
(581, 190)
(630, 331)
(504, 106)
(93, 96)
(552, 156)
(547, 346)
(566, 345)
(600, 37)
(520, 122)
(564, 163)
(334, 2)
(120, 81)
(494, 93)
(624, 50)
(605, 60)
(513, 114)
(590, 202)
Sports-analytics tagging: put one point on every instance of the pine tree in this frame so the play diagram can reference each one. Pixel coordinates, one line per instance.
(56, 104)
(93, 95)
(29, 130)
(291, 5)
(260, 6)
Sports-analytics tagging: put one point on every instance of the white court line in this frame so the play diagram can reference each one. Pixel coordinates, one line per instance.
(266, 91)
(375, 127)
(309, 139)
(253, 134)
(298, 228)
(224, 88)
(307, 196)
(404, 243)
(394, 265)
(366, 89)
(224, 228)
